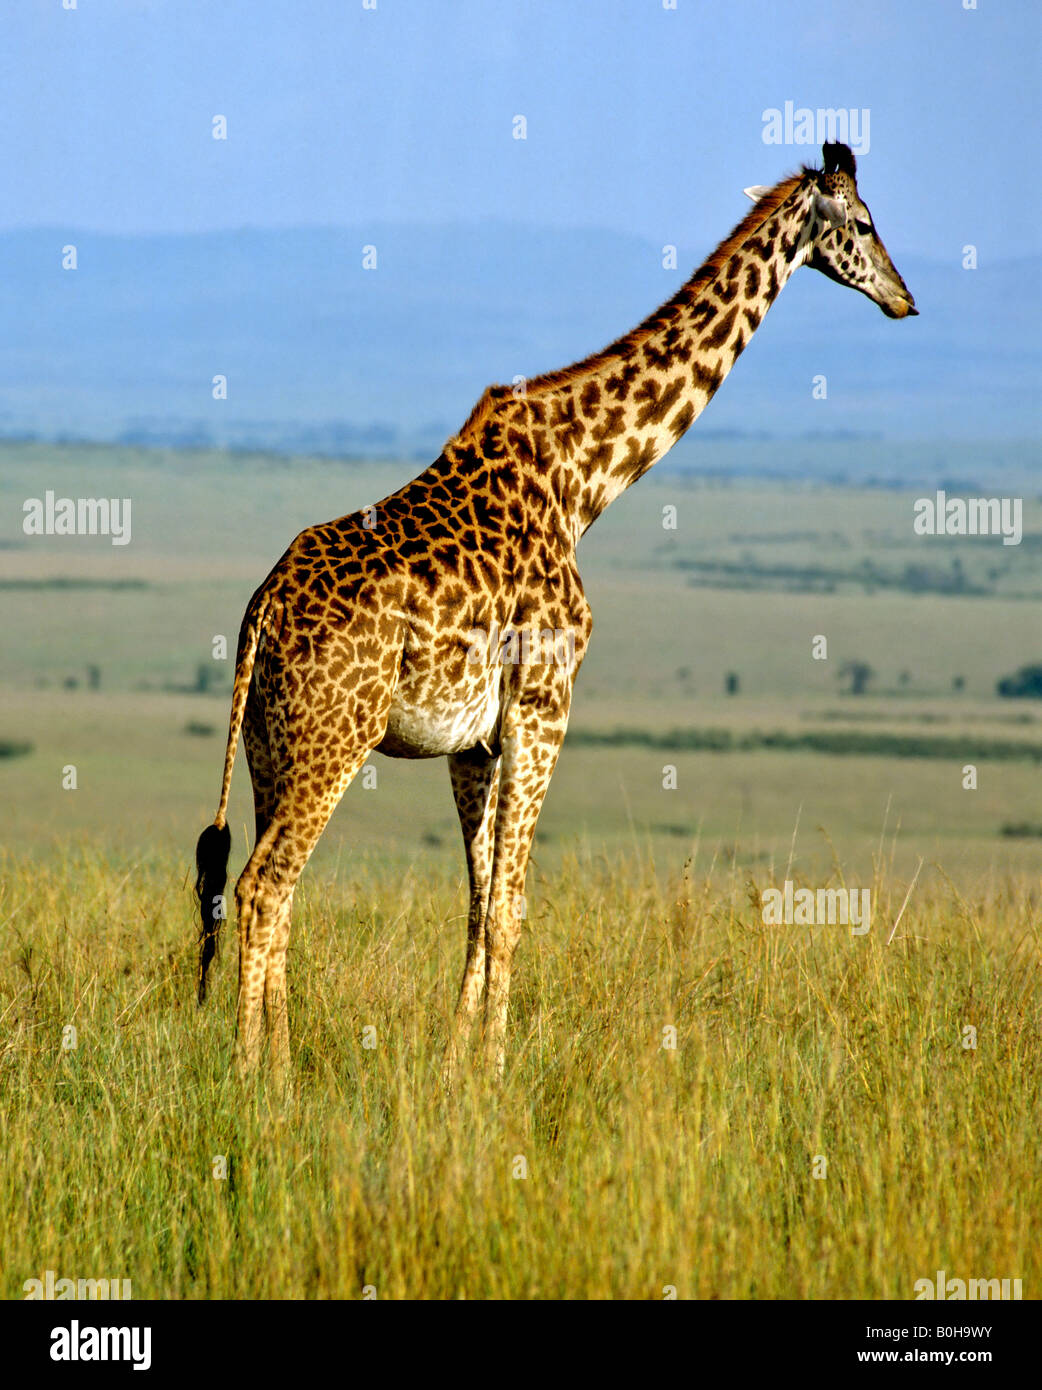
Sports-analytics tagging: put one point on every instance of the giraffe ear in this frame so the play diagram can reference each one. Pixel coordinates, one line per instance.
(834, 210)
(756, 191)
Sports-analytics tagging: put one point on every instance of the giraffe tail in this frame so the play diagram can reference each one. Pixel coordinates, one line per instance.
(211, 866)
(215, 843)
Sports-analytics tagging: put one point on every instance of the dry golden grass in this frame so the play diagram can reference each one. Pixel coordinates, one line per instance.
(606, 1165)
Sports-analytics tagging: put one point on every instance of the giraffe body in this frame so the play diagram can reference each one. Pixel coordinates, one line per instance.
(450, 620)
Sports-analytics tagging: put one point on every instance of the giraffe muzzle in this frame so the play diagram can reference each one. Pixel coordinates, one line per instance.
(903, 309)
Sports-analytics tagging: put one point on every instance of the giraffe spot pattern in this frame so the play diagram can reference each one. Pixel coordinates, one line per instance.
(389, 636)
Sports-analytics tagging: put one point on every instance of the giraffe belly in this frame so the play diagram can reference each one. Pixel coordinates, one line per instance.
(435, 725)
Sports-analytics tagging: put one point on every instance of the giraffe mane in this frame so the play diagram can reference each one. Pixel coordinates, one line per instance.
(622, 347)
(486, 403)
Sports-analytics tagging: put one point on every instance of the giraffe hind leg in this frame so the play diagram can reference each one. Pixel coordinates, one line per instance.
(276, 1012)
(262, 776)
(258, 757)
(264, 896)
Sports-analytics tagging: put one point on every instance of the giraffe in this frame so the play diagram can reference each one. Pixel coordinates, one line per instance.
(450, 620)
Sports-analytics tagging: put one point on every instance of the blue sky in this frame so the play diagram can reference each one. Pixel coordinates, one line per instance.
(640, 119)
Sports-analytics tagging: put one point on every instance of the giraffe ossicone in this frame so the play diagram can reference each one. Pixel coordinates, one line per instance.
(361, 638)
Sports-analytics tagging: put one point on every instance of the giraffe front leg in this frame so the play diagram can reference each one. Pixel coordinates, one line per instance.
(475, 781)
(530, 749)
(503, 931)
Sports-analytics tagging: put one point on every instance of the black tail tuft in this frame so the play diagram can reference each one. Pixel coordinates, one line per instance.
(211, 863)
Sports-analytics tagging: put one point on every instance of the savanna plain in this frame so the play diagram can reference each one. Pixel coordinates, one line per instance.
(695, 1101)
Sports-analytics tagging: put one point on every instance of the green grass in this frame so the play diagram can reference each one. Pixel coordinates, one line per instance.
(646, 1167)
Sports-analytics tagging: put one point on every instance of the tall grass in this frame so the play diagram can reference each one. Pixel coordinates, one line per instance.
(606, 1165)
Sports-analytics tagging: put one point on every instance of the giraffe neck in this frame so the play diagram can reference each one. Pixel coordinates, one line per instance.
(604, 422)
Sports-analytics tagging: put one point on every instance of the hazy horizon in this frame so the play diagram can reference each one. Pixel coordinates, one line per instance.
(522, 172)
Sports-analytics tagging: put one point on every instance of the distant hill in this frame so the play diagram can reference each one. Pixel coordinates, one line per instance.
(324, 356)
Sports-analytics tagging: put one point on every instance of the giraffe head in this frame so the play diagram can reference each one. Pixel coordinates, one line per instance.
(844, 243)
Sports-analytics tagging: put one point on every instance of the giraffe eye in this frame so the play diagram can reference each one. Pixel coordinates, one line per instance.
(864, 228)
